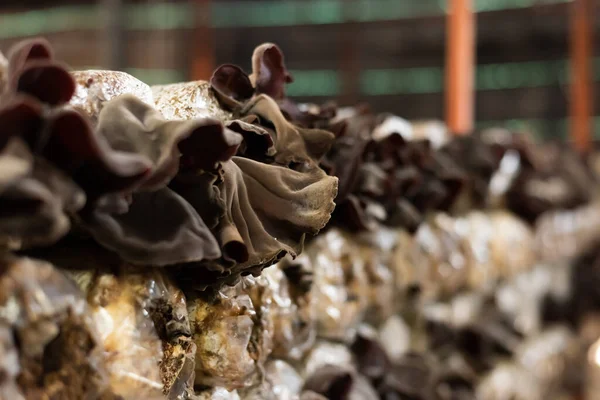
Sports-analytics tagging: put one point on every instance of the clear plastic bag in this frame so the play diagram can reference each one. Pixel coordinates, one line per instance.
(292, 307)
(565, 234)
(286, 383)
(406, 266)
(233, 337)
(216, 393)
(509, 381)
(49, 347)
(144, 325)
(452, 268)
(427, 253)
(476, 233)
(545, 355)
(96, 87)
(395, 337)
(166, 305)
(340, 285)
(521, 297)
(281, 382)
(375, 251)
(512, 245)
(324, 353)
(188, 100)
(133, 350)
(3, 72)
(337, 381)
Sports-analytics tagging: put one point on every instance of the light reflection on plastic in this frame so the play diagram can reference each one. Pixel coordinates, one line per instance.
(594, 353)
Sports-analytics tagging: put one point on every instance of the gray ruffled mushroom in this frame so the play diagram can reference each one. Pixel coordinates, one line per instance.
(255, 185)
(131, 225)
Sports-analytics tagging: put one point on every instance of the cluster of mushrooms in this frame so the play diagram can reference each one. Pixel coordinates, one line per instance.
(216, 240)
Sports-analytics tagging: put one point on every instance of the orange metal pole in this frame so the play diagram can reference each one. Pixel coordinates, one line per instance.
(580, 105)
(460, 66)
(202, 43)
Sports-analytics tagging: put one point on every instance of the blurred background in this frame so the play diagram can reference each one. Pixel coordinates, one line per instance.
(389, 53)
